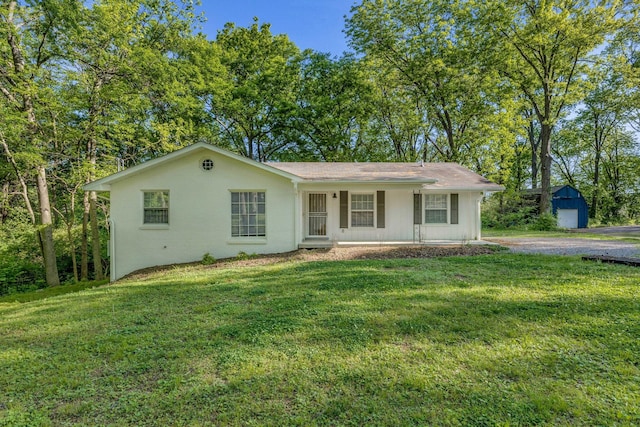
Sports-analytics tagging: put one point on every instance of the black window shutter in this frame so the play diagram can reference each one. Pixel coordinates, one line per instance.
(344, 209)
(380, 209)
(454, 209)
(417, 208)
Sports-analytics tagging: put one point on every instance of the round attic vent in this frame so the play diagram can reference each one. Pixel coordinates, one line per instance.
(207, 164)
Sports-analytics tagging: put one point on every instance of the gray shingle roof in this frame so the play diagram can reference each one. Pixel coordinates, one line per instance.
(431, 175)
(536, 191)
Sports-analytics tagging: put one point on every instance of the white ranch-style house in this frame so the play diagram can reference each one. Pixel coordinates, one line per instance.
(203, 199)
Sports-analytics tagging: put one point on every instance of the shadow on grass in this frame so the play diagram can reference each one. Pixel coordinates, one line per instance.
(486, 340)
(40, 294)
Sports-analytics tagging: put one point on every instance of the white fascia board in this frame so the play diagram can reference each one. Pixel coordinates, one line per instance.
(462, 188)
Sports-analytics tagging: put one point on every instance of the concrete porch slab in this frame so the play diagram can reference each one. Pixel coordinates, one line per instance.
(319, 244)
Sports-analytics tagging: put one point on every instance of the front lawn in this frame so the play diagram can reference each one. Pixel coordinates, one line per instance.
(495, 339)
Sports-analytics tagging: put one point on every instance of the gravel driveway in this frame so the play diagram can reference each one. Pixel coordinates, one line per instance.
(568, 246)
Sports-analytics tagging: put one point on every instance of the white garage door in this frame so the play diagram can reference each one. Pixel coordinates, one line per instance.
(568, 218)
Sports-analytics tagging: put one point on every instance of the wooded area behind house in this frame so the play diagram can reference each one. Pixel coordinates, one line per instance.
(526, 93)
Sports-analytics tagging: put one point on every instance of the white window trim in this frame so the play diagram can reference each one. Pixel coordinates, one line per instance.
(362, 227)
(249, 240)
(424, 210)
(154, 226)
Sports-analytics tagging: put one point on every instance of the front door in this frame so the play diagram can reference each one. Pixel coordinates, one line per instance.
(317, 209)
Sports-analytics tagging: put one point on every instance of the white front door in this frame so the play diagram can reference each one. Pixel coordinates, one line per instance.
(317, 209)
(567, 218)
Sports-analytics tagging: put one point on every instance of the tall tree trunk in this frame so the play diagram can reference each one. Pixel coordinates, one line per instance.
(535, 145)
(46, 233)
(69, 220)
(84, 244)
(74, 260)
(95, 237)
(598, 142)
(4, 203)
(91, 209)
(593, 211)
(545, 169)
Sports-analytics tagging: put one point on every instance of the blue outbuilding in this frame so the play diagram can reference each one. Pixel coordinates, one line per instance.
(568, 205)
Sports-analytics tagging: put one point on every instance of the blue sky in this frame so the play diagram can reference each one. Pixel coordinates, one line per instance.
(313, 24)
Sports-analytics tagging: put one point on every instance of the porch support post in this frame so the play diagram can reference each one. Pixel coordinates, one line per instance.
(296, 216)
(479, 217)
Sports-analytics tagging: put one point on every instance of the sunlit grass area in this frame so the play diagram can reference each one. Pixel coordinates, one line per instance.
(498, 339)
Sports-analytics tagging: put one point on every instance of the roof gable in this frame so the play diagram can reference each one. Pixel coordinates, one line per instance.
(104, 184)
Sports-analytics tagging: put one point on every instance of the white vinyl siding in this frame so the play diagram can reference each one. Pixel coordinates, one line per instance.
(362, 210)
(435, 211)
(156, 207)
(248, 214)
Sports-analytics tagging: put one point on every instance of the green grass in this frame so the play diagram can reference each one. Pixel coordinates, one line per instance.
(492, 232)
(491, 340)
(50, 292)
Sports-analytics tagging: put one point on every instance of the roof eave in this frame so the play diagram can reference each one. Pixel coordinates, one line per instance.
(96, 186)
(370, 181)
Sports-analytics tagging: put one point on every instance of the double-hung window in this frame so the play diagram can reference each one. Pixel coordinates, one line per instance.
(435, 209)
(248, 209)
(362, 210)
(156, 207)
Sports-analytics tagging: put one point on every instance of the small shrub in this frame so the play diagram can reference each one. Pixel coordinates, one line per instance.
(510, 213)
(242, 255)
(545, 222)
(207, 259)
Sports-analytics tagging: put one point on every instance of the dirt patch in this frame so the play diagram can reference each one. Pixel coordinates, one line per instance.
(333, 254)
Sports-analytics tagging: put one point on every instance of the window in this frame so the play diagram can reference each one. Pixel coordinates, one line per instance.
(248, 214)
(435, 209)
(362, 210)
(156, 207)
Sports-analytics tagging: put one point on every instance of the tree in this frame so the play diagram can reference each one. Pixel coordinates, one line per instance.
(399, 119)
(33, 42)
(542, 47)
(333, 106)
(261, 79)
(585, 140)
(601, 118)
(110, 91)
(431, 48)
(80, 86)
(623, 56)
(621, 177)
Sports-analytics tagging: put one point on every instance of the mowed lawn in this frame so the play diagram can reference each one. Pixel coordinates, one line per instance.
(497, 339)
